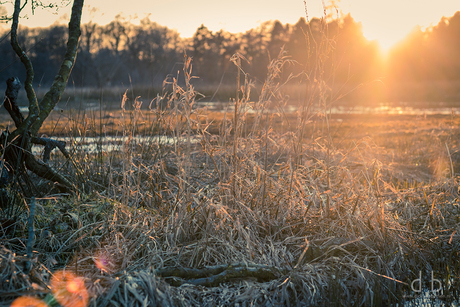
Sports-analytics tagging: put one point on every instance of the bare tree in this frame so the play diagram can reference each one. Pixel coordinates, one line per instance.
(16, 145)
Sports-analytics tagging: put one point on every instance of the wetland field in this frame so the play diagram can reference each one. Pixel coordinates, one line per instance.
(246, 203)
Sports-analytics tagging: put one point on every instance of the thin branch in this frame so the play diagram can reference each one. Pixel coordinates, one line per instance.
(53, 96)
(33, 103)
(33, 46)
(50, 144)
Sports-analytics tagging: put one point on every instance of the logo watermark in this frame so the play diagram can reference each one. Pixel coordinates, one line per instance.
(435, 291)
(434, 282)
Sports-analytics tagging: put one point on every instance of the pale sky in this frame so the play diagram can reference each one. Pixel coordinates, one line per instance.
(387, 21)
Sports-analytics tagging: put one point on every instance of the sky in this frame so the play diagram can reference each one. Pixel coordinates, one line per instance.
(387, 21)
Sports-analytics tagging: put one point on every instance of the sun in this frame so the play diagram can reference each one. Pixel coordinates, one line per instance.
(386, 36)
(389, 22)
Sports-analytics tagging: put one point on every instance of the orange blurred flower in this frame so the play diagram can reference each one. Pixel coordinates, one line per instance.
(69, 290)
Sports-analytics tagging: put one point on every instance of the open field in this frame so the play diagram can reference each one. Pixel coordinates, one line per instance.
(254, 206)
(368, 203)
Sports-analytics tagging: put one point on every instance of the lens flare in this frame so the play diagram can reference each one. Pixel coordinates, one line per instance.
(28, 301)
(101, 263)
(69, 290)
(104, 263)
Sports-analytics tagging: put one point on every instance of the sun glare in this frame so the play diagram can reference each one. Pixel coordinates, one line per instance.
(389, 22)
(387, 35)
(385, 39)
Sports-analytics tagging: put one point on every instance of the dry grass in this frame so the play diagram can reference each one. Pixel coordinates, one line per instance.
(286, 209)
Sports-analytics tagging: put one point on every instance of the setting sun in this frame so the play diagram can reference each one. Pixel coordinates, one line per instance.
(389, 22)
(386, 35)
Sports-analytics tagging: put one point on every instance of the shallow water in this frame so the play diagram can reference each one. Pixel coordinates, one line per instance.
(402, 108)
(93, 145)
(390, 109)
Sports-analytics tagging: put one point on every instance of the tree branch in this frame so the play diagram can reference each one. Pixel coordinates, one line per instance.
(49, 146)
(53, 96)
(33, 103)
(213, 276)
(38, 167)
(45, 171)
(26, 130)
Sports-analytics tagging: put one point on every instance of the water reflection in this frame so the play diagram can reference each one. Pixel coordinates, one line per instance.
(92, 145)
(403, 108)
(382, 109)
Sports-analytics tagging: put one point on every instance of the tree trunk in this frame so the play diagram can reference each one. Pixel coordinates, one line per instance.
(17, 144)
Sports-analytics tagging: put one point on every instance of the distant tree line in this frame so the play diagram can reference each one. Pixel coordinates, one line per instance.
(430, 55)
(122, 53)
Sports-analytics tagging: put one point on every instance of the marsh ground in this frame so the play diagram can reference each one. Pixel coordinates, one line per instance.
(349, 211)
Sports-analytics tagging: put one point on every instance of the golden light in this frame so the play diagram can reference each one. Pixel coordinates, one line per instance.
(387, 33)
(389, 22)
(386, 38)
(69, 290)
